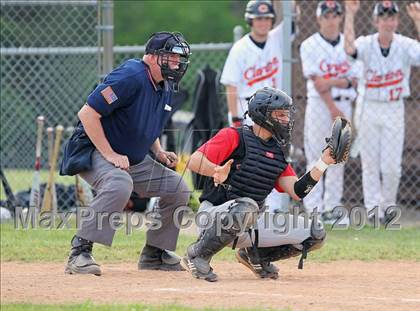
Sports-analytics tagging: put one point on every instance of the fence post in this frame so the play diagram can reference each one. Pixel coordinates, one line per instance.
(107, 35)
(238, 32)
(287, 46)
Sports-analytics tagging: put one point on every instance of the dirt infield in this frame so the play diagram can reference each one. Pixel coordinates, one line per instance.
(342, 285)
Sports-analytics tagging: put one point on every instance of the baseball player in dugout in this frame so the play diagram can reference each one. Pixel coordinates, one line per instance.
(387, 58)
(245, 164)
(331, 82)
(123, 118)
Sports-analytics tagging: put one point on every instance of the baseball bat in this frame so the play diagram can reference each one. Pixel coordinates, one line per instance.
(83, 192)
(47, 203)
(50, 135)
(35, 197)
(11, 201)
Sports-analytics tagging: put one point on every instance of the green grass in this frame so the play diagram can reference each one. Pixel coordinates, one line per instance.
(370, 244)
(109, 307)
(41, 245)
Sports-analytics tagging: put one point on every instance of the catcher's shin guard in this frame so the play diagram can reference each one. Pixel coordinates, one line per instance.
(258, 261)
(212, 240)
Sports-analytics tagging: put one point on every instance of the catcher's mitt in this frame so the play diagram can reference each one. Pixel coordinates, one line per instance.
(340, 140)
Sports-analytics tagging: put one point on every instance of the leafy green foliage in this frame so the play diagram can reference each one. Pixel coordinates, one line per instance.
(199, 21)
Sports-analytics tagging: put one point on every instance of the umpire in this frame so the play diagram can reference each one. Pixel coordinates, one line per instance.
(120, 124)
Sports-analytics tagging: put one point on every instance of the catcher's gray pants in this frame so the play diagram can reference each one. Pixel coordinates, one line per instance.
(114, 186)
(274, 228)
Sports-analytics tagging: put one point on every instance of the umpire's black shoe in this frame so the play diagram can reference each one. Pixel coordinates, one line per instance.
(261, 270)
(153, 258)
(81, 260)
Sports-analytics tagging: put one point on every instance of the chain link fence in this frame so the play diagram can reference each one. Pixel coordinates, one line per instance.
(408, 194)
(49, 64)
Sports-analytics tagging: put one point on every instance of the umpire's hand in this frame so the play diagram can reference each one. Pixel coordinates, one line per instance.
(167, 158)
(119, 160)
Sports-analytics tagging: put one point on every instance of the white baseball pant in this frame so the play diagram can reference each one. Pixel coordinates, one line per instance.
(381, 146)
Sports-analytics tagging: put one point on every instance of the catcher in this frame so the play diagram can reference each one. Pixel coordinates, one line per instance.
(246, 163)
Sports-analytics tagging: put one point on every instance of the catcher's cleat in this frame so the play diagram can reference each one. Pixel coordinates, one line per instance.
(262, 270)
(81, 260)
(199, 268)
(153, 258)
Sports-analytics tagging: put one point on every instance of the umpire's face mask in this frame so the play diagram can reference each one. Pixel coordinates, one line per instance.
(174, 64)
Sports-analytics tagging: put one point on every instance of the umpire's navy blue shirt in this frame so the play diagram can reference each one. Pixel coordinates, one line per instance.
(134, 110)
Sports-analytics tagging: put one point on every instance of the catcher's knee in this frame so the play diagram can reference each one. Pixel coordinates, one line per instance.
(318, 235)
(243, 214)
(240, 216)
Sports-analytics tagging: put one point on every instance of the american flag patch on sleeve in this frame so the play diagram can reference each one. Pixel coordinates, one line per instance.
(109, 95)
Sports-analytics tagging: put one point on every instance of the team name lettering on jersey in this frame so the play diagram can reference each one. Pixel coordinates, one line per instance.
(329, 62)
(387, 79)
(375, 80)
(333, 70)
(253, 74)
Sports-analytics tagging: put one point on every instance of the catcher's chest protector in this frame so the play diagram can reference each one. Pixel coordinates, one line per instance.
(256, 174)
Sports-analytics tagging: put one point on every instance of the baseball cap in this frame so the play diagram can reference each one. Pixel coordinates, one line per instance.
(385, 7)
(261, 8)
(329, 6)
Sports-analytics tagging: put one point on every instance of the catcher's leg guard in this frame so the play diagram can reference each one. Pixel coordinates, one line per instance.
(198, 256)
(315, 241)
(258, 259)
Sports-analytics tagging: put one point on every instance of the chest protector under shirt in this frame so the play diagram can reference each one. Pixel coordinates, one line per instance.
(254, 172)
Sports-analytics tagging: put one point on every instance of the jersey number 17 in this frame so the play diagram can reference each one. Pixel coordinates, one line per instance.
(395, 94)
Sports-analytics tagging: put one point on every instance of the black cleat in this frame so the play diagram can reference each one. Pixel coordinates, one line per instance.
(199, 268)
(262, 270)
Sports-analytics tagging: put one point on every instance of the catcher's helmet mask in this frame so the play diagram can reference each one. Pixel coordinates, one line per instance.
(260, 109)
(259, 8)
(164, 44)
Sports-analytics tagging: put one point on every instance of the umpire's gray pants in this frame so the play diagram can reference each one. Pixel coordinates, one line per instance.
(113, 188)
